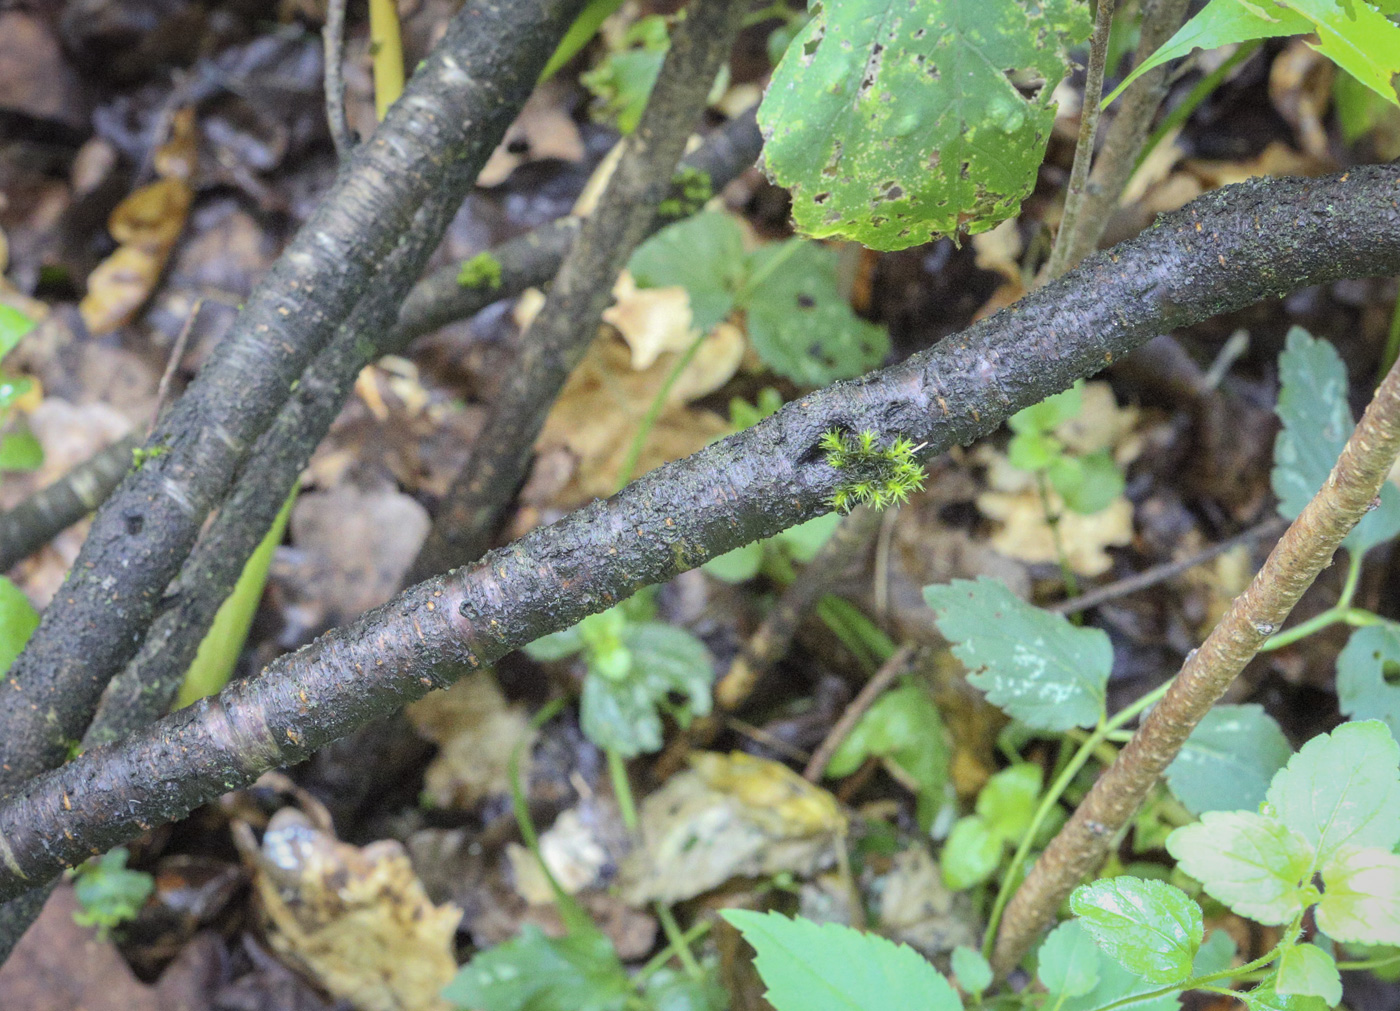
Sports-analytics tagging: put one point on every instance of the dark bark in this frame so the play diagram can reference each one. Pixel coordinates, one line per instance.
(1224, 251)
(49, 511)
(555, 342)
(438, 134)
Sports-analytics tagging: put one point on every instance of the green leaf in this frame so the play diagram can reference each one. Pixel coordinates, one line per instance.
(1341, 788)
(971, 853)
(20, 451)
(556, 645)
(18, 620)
(533, 972)
(903, 725)
(13, 326)
(670, 990)
(1358, 38)
(1088, 484)
(12, 389)
(972, 971)
(798, 322)
(736, 566)
(1008, 800)
(1151, 928)
(828, 967)
(623, 81)
(108, 893)
(1312, 404)
(1361, 896)
(1116, 982)
(894, 122)
(1033, 451)
(703, 254)
(1363, 691)
(580, 33)
(620, 714)
(1035, 665)
(1050, 413)
(1221, 23)
(1068, 962)
(1255, 865)
(1229, 759)
(1265, 998)
(802, 542)
(1305, 970)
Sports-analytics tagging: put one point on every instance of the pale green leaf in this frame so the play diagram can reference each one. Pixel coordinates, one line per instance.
(894, 122)
(1229, 759)
(738, 565)
(1116, 982)
(972, 971)
(1035, 665)
(620, 714)
(1068, 961)
(13, 326)
(971, 853)
(1253, 864)
(18, 620)
(1265, 998)
(108, 893)
(1317, 420)
(1364, 692)
(1151, 928)
(1361, 896)
(672, 990)
(1008, 800)
(1048, 414)
(803, 541)
(1305, 970)
(828, 967)
(1221, 23)
(1088, 484)
(580, 33)
(1341, 788)
(1358, 38)
(580, 972)
(703, 254)
(20, 451)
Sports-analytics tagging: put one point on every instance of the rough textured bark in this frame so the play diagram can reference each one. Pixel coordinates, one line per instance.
(1305, 549)
(438, 134)
(48, 512)
(1224, 251)
(555, 342)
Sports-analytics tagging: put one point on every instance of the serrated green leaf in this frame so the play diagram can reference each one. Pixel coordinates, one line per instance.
(1068, 961)
(1229, 759)
(1221, 23)
(1266, 998)
(828, 967)
(1305, 970)
(1358, 38)
(971, 853)
(903, 725)
(108, 893)
(736, 566)
(972, 971)
(893, 122)
(1035, 665)
(1050, 413)
(18, 620)
(1341, 788)
(20, 451)
(1317, 420)
(1116, 982)
(1363, 691)
(703, 254)
(1088, 484)
(799, 324)
(1008, 800)
(1255, 865)
(1361, 896)
(13, 326)
(580, 972)
(620, 714)
(1151, 928)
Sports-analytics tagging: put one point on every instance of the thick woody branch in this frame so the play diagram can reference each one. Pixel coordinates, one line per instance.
(436, 136)
(1305, 549)
(1223, 251)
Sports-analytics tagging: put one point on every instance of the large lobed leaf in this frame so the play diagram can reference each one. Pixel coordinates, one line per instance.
(893, 122)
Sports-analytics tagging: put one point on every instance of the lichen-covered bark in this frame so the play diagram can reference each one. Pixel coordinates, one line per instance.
(1223, 251)
(1305, 549)
(437, 135)
(555, 342)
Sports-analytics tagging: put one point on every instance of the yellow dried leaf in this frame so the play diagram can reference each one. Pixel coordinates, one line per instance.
(651, 320)
(476, 732)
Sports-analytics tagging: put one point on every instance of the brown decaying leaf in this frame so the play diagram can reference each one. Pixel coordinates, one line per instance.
(476, 731)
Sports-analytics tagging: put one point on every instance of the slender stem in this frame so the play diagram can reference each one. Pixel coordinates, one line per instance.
(333, 38)
(1052, 797)
(1194, 983)
(658, 404)
(1392, 341)
(622, 789)
(872, 690)
(1052, 520)
(659, 960)
(677, 940)
(1198, 94)
(1341, 611)
(1084, 148)
(1379, 962)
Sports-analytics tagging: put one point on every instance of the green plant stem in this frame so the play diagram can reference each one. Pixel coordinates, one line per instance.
(1341, 611)
(677, 940)
(1194, 983)
(672, 950)
(1052, 520)
(1198, 94)
(658, 404)
(1380, 962)
(1052, 796)
(622, 789)
(1392, 343)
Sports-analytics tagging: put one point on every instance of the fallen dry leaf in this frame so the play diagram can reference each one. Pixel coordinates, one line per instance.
(544, 129)
(918, 909)
(476, 732)
(651, 320)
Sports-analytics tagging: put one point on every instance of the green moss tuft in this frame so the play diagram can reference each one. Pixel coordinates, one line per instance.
(886, 475)
(482, 271)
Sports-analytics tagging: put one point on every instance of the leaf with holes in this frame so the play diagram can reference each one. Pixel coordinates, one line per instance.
(896, 121)
(1367, 684)
(1360, 901)
(1229, 759)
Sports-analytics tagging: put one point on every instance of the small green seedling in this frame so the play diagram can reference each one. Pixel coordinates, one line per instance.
(109, 893)
(1087, 483)
(881, 476)
(482, 271)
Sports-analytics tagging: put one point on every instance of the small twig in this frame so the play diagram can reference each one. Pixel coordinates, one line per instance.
(873, 689)
(1084, 148)
(176, 353)
(333, 38)
(1304, 551)
(1167, 570)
